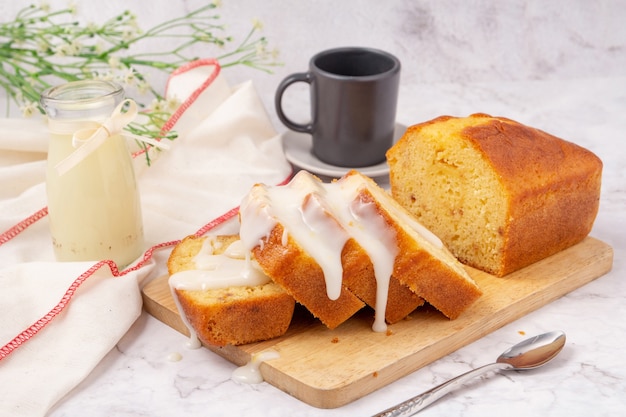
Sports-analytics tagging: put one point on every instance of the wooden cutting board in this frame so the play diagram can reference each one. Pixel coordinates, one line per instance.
(330, 368)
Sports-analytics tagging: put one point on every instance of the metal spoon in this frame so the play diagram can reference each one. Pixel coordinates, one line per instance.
(528, 354)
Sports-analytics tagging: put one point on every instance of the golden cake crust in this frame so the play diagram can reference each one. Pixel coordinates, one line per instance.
(549, 188)
(234, 315)
(438, 279)
(300, 275)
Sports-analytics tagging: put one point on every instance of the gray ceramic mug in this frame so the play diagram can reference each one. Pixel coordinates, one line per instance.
(354, 95)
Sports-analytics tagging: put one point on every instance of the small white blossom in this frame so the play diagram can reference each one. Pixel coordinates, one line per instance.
(172, 104)
(72, 7)
(217, 3)
(132, 20)
(114, 62)
(92, 28)
(62, 50)
(157, 105)
(99, 47)
(257, 24)
(129, 77)
(28, 109)
(44, 6)
(143, 87)
(42, 46)
(75, 47)
(261, 52)
(129, 34)
(68, 49)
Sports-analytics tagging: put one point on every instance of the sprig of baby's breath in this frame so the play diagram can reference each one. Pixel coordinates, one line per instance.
(41, 48)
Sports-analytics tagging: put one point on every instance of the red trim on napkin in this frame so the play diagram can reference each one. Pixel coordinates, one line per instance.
(191, 99)
(23, 225)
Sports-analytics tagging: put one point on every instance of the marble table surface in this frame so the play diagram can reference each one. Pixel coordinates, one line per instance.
(558, 66)
(587, 378)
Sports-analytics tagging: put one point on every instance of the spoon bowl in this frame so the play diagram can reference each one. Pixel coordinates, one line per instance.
(534, 352)
(528, 354)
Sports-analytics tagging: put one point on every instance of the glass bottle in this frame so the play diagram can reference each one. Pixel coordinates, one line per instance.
(94, 208)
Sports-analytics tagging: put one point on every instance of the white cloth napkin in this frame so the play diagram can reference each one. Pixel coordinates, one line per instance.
(59, 319)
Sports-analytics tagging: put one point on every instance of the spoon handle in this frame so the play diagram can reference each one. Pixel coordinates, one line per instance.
(421, 401)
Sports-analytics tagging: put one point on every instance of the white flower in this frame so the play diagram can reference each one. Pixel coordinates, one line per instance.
(261, 52)
(172, 104)
(62, 50)
(73, 8)
(44, 6)
(129, 77)
(75, 47)
(29, 108)
(157, 105)
(42, 46)
(114, 62)
(92, 28)
(68, 49)
(128, 34)
(99, 47)
(257, 24)
(217, 3)
(143, 87)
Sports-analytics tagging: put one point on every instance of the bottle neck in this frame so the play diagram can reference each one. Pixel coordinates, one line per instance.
(77, 105)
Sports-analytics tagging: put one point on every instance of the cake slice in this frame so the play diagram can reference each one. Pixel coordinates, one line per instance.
(322, 242)
(501, 195)
(300, 248)
(223, 297)
(422, 262)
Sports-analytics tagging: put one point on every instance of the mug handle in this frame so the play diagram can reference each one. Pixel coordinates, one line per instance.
(278, 99)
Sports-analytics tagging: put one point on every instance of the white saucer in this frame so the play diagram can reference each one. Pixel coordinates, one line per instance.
(297, 148)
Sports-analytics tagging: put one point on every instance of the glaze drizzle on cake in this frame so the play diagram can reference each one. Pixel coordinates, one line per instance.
(323, 218)
(222, 294)
(231, 268)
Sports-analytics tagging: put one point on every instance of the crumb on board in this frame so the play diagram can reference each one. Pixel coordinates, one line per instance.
(335, 340)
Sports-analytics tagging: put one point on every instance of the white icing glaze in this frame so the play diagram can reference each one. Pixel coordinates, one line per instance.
(250, 372)
(231, 268)
(193, 342)
(365, 225)
(256, 206)
(321, 218)
(174, 357)
(304, 217)
(326, 252)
